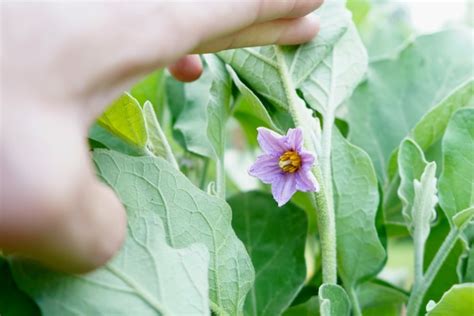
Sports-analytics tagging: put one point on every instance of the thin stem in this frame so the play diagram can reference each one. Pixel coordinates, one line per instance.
(326, 143)
(419, 244)
(322, 201)
(420, 288)
(202, 181)
(354, 301)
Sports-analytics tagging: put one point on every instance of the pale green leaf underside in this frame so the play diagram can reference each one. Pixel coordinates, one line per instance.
(360, 252)
(124, 118)
(456, 184)
(189, 216)
(456, 301)
(275, 239)
(147, 277)
(259, 68)
(333, 300)
(398, 92)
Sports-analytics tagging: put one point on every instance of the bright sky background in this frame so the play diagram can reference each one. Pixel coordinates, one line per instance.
(430, 16)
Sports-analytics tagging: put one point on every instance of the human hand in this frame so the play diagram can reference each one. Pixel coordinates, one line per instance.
(62, 64)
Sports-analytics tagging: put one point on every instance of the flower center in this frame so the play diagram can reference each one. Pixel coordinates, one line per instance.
(290, 161)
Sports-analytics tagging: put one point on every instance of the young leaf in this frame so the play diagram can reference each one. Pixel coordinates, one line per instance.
(147, 277)
(423, 213)
(333, 301)
(189, 216)
(157, 142)
(411, 165)
(275, 240)
(456, 184)
(398, 92)
(106, 139)
(456, 301)
(249, 106)
(124, 118)
(356, 200)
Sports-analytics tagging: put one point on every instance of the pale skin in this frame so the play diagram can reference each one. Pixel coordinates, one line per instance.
(61, 65)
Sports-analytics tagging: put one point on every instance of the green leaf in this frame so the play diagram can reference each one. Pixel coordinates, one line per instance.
(249, 105)
(308, 308)
(13, 301)
(462, 218)
(189, 216)
(456, 301)
(385, 29)
(201, 108)
(124, 118)
(356, 200)
(379, 298)
(157, 143)
(334, 79)
(259, 68)
(108, 140)
(469, 276)
(398, 92)
(333, 301)
(275, 240)
(147, 277)
(359, 9)
(456, 184)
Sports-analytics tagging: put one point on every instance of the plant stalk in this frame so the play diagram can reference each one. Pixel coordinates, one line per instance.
(322, 201)
(354, 301)
(420, 288)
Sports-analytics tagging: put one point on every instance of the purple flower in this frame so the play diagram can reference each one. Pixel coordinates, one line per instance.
(285, 164)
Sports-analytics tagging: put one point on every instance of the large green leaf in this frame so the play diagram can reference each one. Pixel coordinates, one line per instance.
(201, 108)
(275, 239)
(147, 277)
(398, 92)
(124, 118)
(308, 308)
(457, 301)
(360, 252)
(189, 216)
(13, 301)
(378, 298)
(333, 301)
(151, 88)
(259, 67)
(456, 184)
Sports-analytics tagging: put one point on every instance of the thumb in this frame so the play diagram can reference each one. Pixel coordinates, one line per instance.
(53, 209)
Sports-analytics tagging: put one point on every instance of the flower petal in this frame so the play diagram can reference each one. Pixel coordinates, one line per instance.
(307, 160)
(306, 182)
(266, 168)
(271, 142)
(294, 138)
(284, 189)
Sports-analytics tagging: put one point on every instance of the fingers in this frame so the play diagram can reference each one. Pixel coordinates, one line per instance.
(186, 69)
(53, 209)
(281, 32)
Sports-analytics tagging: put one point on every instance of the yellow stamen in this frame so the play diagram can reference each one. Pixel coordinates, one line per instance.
(290, 161)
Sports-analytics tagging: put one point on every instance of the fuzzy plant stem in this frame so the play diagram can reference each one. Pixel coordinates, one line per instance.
(322, 202)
